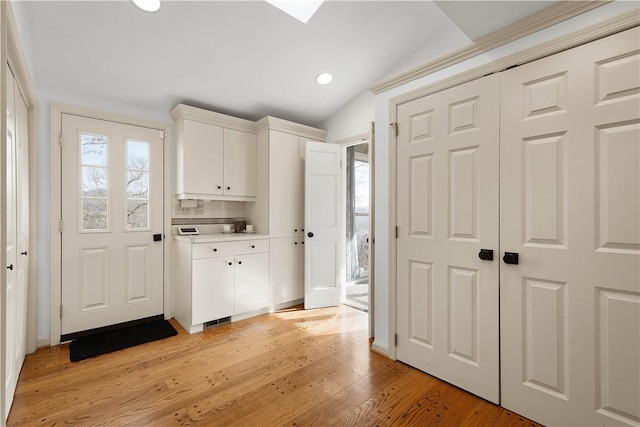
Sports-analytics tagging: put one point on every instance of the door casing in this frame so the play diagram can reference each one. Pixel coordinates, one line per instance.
(55, 206)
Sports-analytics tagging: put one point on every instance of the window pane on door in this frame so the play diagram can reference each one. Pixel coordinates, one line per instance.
(94, 182)
(94, 214)
(94, 197)
(137, 185)
(94, 150)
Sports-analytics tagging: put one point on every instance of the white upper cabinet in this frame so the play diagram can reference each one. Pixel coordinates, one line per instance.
(284, 183)
(239, 163)
(215, 157)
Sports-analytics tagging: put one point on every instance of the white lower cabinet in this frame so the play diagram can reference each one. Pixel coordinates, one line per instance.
(251, 283)
(213, 286)
(218, 279)
(287, 271)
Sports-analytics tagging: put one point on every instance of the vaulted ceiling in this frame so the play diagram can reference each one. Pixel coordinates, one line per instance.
(244, 58)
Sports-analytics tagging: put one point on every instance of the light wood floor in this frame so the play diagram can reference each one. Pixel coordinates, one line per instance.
(295, 367)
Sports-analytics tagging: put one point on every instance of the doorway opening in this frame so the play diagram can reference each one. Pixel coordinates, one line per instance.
(358, 225)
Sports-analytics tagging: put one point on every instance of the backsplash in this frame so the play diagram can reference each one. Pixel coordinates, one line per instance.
(209, 209)
(208, 215)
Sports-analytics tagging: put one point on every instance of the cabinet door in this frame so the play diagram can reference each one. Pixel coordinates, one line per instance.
(252, 282)
(285, 272)
(240, 167)
(284, 184)
(213, 289)
(201, 151)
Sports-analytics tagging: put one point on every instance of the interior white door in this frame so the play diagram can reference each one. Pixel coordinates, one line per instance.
(322, 225)
(112, 198)
(447, 214)
(570, 197)
(12, 291)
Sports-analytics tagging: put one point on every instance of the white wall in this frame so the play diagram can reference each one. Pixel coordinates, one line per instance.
(382, 118)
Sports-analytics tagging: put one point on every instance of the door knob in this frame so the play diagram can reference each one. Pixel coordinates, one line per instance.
(23, 253)
(10, 267)
(510, 258)
(486, 254)
(310, 234)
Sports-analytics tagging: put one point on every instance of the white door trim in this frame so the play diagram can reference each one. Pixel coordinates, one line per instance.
(349, 142)
(584, 35)
(55, 205)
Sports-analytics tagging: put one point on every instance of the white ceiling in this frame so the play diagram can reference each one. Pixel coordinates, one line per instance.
(244, 58)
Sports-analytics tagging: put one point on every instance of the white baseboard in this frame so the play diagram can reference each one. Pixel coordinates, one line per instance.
(43, 342)
(380, 350)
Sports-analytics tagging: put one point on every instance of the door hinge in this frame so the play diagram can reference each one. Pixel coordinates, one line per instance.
(396, 231)
(61, 311)
(395, 340)
(60, 225)
(340, 162)
(60, 139)
(162, 134)
(373, 127)
(395, 128)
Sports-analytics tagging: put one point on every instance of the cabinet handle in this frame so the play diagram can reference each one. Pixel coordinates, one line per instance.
(295, 243)
(219, 187)
(10, 267)
(23, 253)
(296, 230)
(228, 188)
(302, 242)
(239, 262)
(230, 263)
(253, 246)
(215, 249)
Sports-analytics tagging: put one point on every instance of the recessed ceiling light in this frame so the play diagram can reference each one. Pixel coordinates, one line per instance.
(324, 78)
(148, 5)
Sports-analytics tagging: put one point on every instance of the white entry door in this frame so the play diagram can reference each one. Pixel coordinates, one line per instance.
(447, 216)
(112, 214)
(322, 225)
(570, 197)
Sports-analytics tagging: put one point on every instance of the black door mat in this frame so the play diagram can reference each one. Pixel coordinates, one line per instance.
(106, 342)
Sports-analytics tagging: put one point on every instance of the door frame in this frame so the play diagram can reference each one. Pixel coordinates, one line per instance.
(55, 200)
(345, 143)
(584, 35)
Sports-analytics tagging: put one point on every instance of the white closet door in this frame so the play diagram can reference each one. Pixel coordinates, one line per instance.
(570, 196)
(447, 199)
(322, 225)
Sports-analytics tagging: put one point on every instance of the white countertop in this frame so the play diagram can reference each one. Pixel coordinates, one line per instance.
(220, 237)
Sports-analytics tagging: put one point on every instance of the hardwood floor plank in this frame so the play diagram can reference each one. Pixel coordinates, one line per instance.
(294, 367)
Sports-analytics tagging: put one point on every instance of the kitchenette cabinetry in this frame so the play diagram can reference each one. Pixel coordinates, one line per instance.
(217, 278)
(281, 148)
(215, 156)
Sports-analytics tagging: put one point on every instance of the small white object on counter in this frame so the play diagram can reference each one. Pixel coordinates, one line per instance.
(249, 228)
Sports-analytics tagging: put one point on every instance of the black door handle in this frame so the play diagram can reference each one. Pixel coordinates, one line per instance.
(310, 234)
(157, 237)
(10, 267)
(486, 254)
(23, 253)
(510, 258)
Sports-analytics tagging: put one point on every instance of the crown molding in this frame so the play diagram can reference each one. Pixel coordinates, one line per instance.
(274, 123)
(539, 21)
(618, 24)
(183, 111)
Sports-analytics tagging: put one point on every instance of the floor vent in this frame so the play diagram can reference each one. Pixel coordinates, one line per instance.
(217, 322)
